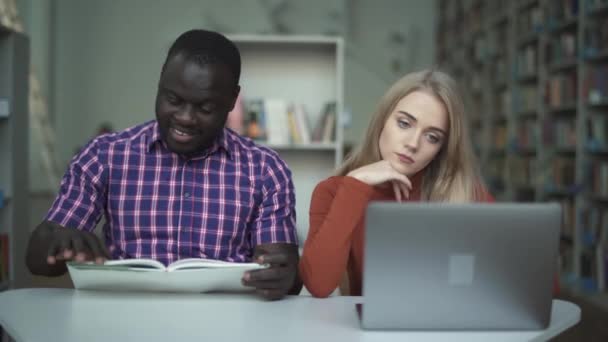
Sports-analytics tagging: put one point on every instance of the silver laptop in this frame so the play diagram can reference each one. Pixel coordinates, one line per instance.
(431, 266)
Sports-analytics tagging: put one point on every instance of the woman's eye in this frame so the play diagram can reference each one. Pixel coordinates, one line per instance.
(403, 124)
(433, 139)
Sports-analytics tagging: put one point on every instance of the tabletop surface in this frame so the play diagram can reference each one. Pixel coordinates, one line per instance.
(71, 315)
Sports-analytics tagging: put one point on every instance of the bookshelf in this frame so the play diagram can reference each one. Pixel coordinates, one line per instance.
(305, 71)
(14, 171)
(542, 121)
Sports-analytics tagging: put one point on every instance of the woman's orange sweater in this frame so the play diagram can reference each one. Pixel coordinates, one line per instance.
(335, 238)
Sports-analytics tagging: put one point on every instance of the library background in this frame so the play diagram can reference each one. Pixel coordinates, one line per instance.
(535, 73)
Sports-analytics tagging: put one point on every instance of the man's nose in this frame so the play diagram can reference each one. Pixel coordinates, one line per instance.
(185, 114)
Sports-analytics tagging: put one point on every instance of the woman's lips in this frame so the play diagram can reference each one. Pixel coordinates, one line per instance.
(405, 159)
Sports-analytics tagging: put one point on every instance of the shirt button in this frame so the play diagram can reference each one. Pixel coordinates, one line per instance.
(187, 194)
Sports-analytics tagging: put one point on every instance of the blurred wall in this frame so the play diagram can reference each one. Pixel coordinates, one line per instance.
(99, 60)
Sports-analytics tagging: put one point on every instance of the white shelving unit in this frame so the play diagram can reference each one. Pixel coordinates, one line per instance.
(305, 70)
(14, 171)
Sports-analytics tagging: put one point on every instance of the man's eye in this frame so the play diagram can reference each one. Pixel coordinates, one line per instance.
(174, 100)
(208, 108)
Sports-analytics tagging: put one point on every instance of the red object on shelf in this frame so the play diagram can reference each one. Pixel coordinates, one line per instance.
(5, 262)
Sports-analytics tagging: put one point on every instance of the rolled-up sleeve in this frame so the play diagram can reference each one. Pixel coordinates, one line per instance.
(276, 216)
(80, 201)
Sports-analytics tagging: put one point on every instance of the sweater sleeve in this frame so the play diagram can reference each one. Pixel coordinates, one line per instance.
(335, 212)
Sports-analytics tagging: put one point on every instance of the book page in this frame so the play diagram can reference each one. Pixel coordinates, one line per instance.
(194, 263)
(136, 263)
(123, 264)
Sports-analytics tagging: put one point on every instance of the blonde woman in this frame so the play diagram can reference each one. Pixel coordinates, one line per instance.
(416, 148)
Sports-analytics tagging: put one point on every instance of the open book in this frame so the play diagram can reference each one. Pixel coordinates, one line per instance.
(186, 275)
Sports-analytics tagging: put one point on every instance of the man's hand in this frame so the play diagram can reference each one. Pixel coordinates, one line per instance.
(281, 277)
(73, 244)
(50, 245)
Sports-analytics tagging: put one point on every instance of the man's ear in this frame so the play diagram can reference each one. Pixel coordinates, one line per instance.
(235, 96)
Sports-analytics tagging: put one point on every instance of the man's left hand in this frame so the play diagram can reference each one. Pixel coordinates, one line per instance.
(281, 277)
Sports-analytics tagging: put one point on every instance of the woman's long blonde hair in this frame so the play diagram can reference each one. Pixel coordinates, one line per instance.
(453, 174)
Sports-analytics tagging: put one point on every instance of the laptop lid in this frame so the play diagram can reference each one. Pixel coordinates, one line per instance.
(433, 266)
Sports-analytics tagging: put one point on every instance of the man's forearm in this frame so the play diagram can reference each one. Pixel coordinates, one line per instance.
(37, 251)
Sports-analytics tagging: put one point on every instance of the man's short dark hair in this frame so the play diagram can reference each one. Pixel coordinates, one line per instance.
(207, 47)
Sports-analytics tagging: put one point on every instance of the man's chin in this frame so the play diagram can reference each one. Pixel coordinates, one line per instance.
(181, 149)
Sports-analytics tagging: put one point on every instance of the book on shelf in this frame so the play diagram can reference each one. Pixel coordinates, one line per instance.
(496, 6)
(560, 132)
(474, 19)
(589, 276)
(326, 124)
(496, 47)
(505, 106)
(593, 235)
(4, 108)
(522, 171)
(594, 223)
(479, 49)
(186, 275)
(530, 21)
(562, 11)
(562, 49)
(499, 136)
(494, 172)
(4, 257)
(526, 98)
(596, 37)
(526, 135)
(527, 61)
(278, 122)
(593, 7)
(595, 87)
(499, 72)
(255, 120)
(474, 83)
(561, 173)
(597, 132)
(561, 89)
(301, 124)
(568, 217)
(602, 266)
(599, 178)
(294, 135)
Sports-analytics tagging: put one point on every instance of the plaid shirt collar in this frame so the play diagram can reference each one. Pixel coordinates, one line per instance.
(221, 143)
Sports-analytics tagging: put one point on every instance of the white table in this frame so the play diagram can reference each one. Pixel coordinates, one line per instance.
(70, 315)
